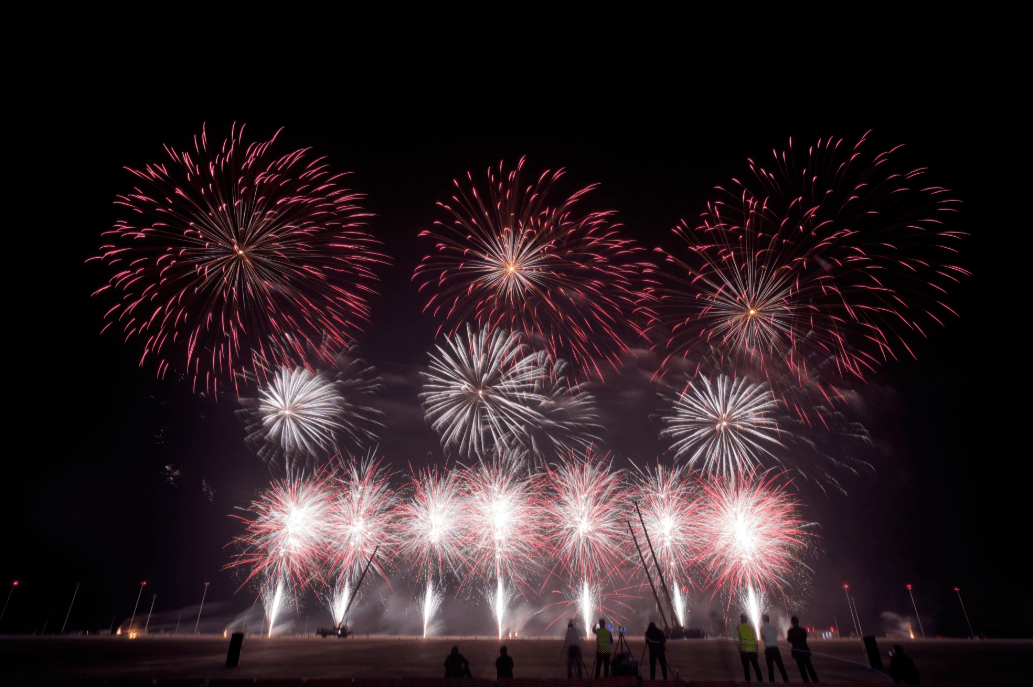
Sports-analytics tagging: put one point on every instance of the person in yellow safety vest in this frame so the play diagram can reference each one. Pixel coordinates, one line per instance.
(603, 638)
(748, 648)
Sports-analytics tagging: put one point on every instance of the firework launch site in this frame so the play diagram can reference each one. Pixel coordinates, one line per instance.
(415, 662)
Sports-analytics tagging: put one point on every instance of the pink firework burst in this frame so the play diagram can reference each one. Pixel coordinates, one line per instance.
(505, 518)
(287, 535)
(363, 517)
(752, 531)
(513, 257)
(432, 524)
(229, 247)
(670, 503)
(822, 265)
(586, 515)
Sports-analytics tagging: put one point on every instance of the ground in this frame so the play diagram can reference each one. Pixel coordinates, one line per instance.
(35, 658)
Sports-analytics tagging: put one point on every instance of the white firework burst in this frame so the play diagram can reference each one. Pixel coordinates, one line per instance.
(725, 427)
(301, 414)
(480, 392)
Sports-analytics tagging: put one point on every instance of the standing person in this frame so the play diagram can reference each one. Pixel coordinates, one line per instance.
(748, 648)
(603, 639)
(572, 642)
(504, 663)
(903, 668)
(657, 643)
(772, 655)
(797, 637)
(456, 664)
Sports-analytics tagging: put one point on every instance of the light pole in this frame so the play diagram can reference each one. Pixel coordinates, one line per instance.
(850, 606)
(148, 623)
(70, 607)
(918, 617)
(970, 632)
(13, 585)
(142, 585)
(198, 623)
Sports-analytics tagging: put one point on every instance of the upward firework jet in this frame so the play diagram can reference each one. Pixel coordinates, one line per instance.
(275, 597)
(725, 427)
(285, 539)
(512, 257)
(301, 415)
(228, 246)
(753, 532)
(825, 256)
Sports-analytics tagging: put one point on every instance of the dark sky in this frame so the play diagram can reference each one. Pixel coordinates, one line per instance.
(85, 501)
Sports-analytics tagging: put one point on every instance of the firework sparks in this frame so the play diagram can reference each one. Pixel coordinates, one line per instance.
(570, 421)
(822, 258)
(229, 246)
(753, 533)
(512, 260)
(727, 427)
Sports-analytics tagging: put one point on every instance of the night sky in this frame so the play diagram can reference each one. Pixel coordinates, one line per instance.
(89, 431)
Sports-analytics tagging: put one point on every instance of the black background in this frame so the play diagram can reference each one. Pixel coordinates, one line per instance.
(657, 121)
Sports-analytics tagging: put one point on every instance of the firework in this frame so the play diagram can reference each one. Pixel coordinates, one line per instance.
(363, 516)
(228, 246)
(286, 538)
(833, 257)
(301, 415)
(670, 506)
(432, 524)
(725, 427)
(753, 533)
(570, 421)
(504, 520)
(586, 512)
(429, 605)
(511, 258)
(478, 394)
(276, 595)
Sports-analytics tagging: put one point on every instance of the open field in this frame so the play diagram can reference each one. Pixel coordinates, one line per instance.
(40, 658)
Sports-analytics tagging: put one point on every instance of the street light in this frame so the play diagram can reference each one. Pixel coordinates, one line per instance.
(13, 585)
(198, 623)
(970, 632)
(142, 585)
(918, 617)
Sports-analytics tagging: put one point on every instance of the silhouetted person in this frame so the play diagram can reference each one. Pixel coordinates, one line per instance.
(797, 637)
(456, 664)
(772, 655)
(902, 668)
(657, 643)
(504, 664)
(603, 640)
(748, 648)
(572, 641)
